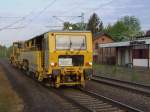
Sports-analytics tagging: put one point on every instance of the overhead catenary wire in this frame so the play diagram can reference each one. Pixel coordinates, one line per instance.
(36, 16)
(20, 27)
(61, 20)
(9, 17)
(100, 6)
(85, 12)
(15, 22)
(40, 12)
(23, 18)
(54, 26)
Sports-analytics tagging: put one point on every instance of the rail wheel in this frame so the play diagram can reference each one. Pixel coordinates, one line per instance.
(19, 66)
(26, 65)
(36, 75)
(40, 77)
(82, 81)
(57, 84)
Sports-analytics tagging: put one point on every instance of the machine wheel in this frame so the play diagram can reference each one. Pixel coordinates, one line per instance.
(57, 83)
(40, 77)
(19, 66)
(26, 65)
(36, 75)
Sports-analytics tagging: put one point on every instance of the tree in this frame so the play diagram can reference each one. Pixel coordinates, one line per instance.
(133, 26)
(9, 51)
(117, 31)
(3, 51)
(124, 29)
(76, 26)
(67, 25)
(94, 24)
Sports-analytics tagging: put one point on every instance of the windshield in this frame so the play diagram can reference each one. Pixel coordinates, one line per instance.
(70, 42)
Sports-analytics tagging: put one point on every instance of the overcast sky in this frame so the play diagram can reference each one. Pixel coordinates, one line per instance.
(32, 17)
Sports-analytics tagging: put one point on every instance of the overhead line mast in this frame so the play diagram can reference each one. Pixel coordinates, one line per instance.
(81, 16)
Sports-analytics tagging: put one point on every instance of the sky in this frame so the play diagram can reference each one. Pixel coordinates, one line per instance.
(24, 19)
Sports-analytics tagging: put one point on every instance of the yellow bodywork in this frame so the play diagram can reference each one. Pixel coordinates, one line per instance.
(39, 61)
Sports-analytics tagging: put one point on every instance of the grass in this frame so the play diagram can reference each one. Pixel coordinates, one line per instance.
(123, 73)
(9, 100)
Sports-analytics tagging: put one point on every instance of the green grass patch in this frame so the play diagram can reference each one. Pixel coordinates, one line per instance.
(123, 73)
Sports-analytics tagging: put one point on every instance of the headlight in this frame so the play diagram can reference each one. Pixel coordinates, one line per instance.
(89, 64)
(53, 64)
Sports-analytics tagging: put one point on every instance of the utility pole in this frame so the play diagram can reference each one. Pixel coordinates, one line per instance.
(80, 16)
(82, 21)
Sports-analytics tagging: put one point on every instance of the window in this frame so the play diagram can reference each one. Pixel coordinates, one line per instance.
(140, 53)
(65, 42)
(103, 39)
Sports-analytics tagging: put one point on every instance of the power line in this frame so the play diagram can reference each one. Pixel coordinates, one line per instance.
(61, 20)
(9, 17)
(67, 16)
(39, 13)
(19, 27)
(99, 6)
(12, 24)
(53, 26)
(57, 17)
(23, 18)
(102, 5)
(83, 14)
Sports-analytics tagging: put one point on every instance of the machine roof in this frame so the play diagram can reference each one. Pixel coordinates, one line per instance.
(125, 43)
(60, 31)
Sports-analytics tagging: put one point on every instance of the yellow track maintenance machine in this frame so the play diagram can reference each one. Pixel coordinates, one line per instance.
(56, 57)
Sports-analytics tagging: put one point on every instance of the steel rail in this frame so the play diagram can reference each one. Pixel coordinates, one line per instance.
(113, 102)
(77, 103)
(136, 87)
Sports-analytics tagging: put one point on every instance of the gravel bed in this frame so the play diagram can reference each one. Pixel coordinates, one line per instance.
(135, 100)
(36, 98)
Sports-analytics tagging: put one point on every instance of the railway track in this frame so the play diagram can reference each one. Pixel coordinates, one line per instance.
(81, 100)
(135, 87)
(92, 102)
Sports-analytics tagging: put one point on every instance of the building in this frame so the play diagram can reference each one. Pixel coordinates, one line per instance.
(100, 55)
(134, 53)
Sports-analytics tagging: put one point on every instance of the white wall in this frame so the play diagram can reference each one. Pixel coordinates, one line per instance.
(127, 58)
(140, 62)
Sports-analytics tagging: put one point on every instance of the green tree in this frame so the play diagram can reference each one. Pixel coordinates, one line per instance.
(66, 25)
(117, 31)
(124, 29)
(3, 51)
(133, 26)
(76, 26)
(9, 51)
(94, 24)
